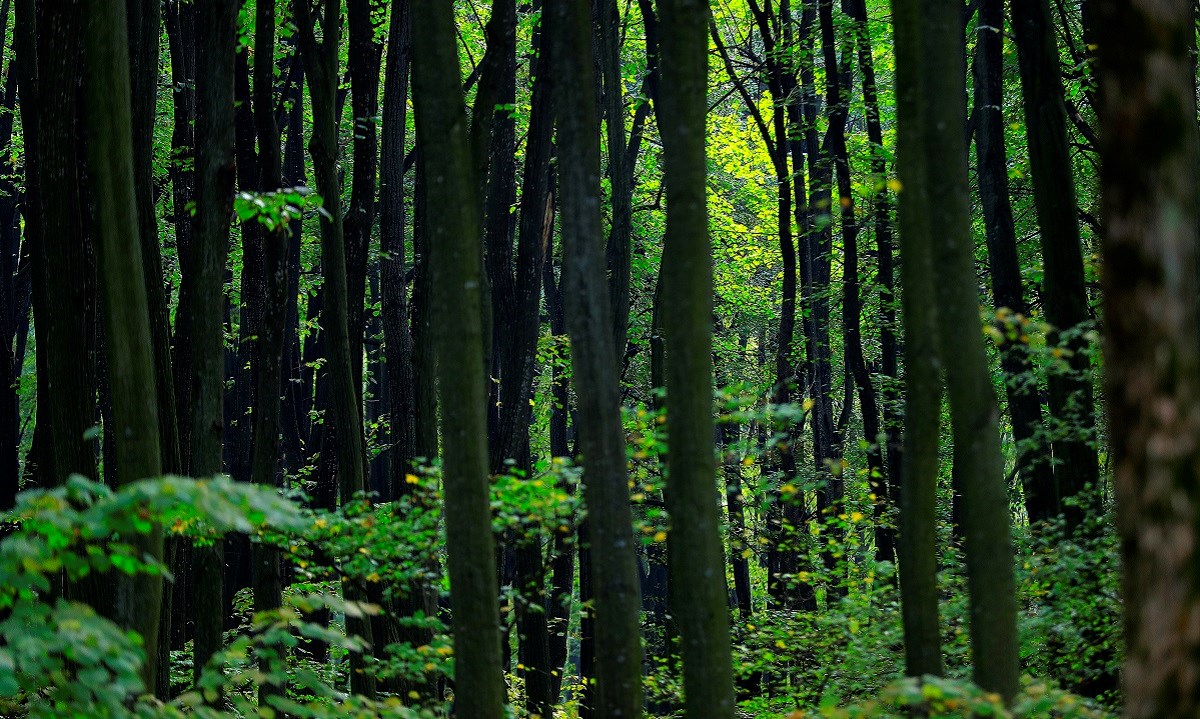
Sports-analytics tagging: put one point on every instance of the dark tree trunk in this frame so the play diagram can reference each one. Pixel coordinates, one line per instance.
(181, 36)
(1024, 406)
(695, 551)
(619, 250)
(618, 656)
(978, 465)
(297, 395)
(1152, 346)
(364, 60)
(127, 317)
(145, 29)
(393, 292)
(321, 71)
(917, 546)
(68, 313)
(205, 278)
(819, 244)
(454, 228)
(268, 370)
(1064, 294)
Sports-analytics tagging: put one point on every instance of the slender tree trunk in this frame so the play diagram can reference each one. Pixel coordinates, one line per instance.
(321, 70)
(613, 560)
(131, 356)
(38, 462)
(181, 36)
(619, 248)
(1024, 406)
(565, 545)
(424, 357)
(145, 28)
(364, 60)
(205, 279)
(1152, 345)
(695, 551)
(885, 273)
(978, 466)
(454, 231)
(822, 164)
(264, 461)
(1063, 292)
(917, 546)
(393, 293)
(297, 395)
(735, 503)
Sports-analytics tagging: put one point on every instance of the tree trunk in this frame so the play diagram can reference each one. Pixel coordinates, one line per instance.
(264, 460)
(363, 64)
(1063, 292)
(1152, 345)
(1024, 406)
(206, 278)
(695, 551)
(130, 352)
(181, 36)
(69, 311)
(297, 396)
(321, 70)
(978, 466)
(618, 656)
(917, 546)
(454, 231)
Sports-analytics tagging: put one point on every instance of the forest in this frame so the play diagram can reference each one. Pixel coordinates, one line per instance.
(599, 359)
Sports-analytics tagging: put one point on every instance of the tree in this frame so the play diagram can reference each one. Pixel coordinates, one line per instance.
(454, 231)
(1024, 406)
(205, 278)
(613, 563)
(264, 461)
(321, 70)
(917, 543)
(125, 307)
(978, 466)
(1063, 292)
(695, 551)
(65, 310)
(1152, 338)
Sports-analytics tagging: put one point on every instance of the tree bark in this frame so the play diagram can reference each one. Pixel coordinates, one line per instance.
(206, 278)
(130, 352)
(69, 311)
(917, 546)
(321, 70)
(1152, 345)
(1064, 294)
(618, 656)
(978, 465)
(264, 460)
(695, 553)
(454, 231)
(1024, 406)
